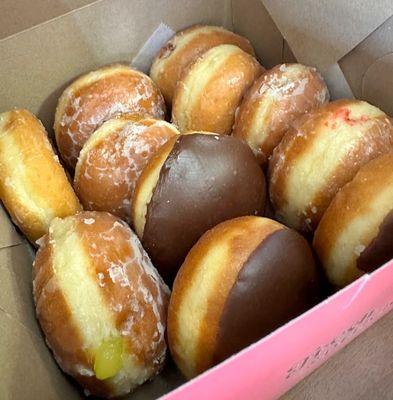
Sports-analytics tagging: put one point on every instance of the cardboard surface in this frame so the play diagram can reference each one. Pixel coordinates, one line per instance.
(18, 15)
(343, 39)
(321, 33)
(361, 371)
(368, 67)
(8, 234)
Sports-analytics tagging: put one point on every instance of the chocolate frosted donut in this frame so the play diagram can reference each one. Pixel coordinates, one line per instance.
(275, 100)
(113, 158)
(186, 46)
(243, 279)
(355, 234)
(98, 96)
(320, 154)
(211, 89)
(194, 182)
(101, 303)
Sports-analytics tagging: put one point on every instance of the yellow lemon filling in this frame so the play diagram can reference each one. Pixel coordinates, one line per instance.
(108, 358)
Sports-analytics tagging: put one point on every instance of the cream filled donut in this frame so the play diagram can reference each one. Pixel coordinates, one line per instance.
(186, 46)
(98, 96)
(113, 158)
(101, 303)
(355, 234)
(34, 187)
(321, 154)
(243, 279)
(211, 89)
(193, 182)
(274, 101)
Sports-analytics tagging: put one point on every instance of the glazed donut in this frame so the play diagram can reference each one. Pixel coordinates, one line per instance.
(242, 280)
(355, 234)
(192, 183)
(212, 88)
(186, 46)
(98, 96)
(33, 185)
(100, 303)
(275, 100)
(320, 155)
(112, 160)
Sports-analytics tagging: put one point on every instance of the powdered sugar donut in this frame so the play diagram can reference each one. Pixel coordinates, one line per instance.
(184, 48)
(34, 187)
(98, 96)
(112, 160)
(355, 234)
(320, 154)
(101, 303)
(211, 89)
(275, 100)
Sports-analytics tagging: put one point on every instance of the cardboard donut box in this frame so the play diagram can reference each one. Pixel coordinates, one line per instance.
(44, 45)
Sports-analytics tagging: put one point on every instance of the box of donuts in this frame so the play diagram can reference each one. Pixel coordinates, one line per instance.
(196, 196)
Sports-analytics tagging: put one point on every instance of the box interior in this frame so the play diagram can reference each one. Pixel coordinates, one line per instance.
(46, 46)
(37, 64)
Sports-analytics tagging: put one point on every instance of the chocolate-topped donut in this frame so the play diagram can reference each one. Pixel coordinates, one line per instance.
(194, 182)
(243, 279)
(355, 234)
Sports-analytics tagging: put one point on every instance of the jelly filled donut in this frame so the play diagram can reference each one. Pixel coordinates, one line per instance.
(34, 187)
(212, 88)
(275, 100)
(113, 158)
(98, 96)
(242, 280)
(100, 302)
(192, 183)
(355, 234)
(186, 46)
(321, 154)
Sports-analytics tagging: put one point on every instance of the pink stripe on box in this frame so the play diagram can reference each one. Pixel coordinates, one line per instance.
(270, 367)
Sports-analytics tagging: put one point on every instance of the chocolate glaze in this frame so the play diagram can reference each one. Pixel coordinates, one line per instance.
(380, 250)
(205, 180)
(278, 282)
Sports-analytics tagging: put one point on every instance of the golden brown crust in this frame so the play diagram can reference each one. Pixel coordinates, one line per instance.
(37, 189)
(275, 100)
(146, 184)
(234, 241)
(124, 299)
(211, 89)
(122, 148)
(98, 96)
(62, 334)
(352, 219)
(186, 46)
(322, 153)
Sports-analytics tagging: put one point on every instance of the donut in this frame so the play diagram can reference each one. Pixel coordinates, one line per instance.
(186, 46)
(242, 280)
(212, 88)
(320, 154)
(100, 302)
(355, 235)
(193, 182)
(275, 100)
(112, 159)
(98, 96)
(34, 187)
